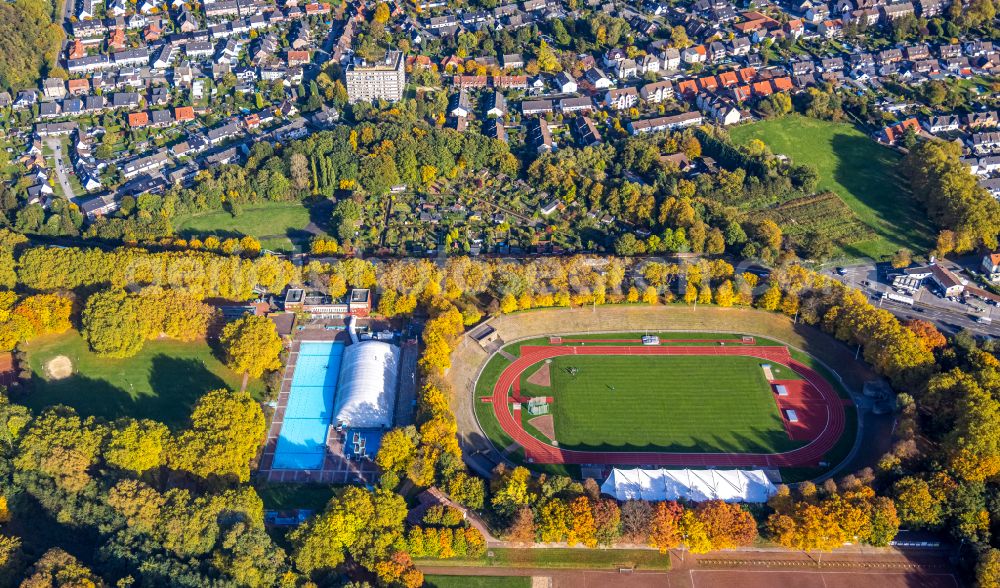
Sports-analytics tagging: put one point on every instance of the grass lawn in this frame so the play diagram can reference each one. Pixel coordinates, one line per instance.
(562, 558)
(276, 224)
(665, 403)
(288, 496)
(161, 383)
(477, 581)
(858, 170)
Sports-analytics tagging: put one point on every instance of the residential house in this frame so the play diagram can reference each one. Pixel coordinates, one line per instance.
(533, 107)
(54, 88)
(891, 12)
(513, 61)
(539, 136)
(494, 128)
(665, 123)
(830, 29)
(627, 69)
(985, 142)
(694, 54)
(586, 131)
(621, 99)
(138, 120)
(671, 58)
(495, 104)
(582, 104)
(893, 133)
(942, 124)
(991, 266)
(657, 92)
(982, 120)
(565, 83)
(460, 106)
(596, 78)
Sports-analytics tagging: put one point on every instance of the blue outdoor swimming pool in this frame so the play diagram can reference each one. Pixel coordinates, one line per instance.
(302, 438)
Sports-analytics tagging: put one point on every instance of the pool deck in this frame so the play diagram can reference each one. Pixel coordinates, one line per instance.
(336, 469)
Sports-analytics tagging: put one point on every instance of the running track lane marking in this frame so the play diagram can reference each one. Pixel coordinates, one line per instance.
(541, 452)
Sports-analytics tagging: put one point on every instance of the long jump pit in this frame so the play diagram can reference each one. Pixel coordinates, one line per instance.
(750, 578)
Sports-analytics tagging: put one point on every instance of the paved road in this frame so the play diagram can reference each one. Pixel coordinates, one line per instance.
(59, 160)
(948, 316)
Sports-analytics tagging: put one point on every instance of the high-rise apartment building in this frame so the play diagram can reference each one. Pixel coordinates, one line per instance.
(385, 79)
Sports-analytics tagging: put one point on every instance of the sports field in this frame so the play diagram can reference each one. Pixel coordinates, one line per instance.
(162, 382)
(692, 400)
(664, 403)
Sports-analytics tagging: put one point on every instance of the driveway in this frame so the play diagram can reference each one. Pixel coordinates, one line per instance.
(59, 160)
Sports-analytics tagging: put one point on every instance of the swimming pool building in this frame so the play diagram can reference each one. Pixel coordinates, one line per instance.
(336, 393)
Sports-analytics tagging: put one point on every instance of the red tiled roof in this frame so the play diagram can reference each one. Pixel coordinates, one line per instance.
(708, 83)
(746, 74)
(138, 119)
(728, 78)
(763, 88)
(183, 113)
(782, 84)
(687, 87)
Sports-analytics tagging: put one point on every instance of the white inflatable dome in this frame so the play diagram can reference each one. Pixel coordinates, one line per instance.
(366, 390)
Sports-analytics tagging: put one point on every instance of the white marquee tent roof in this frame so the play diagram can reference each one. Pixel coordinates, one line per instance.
(366, 391)
(696, 485)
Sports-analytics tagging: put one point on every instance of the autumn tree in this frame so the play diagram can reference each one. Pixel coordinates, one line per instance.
(988, 569)
(398, 450)
(928, 335)
(62, 447)
(552, 521)
(583, 528)
(56, 568)
(807, 527)
(522, 528)
(952, 194)
(361, 524)
(137, 446)
(693, 533)
(664, 527)
(727, 525)
(114, 325)
(636, 516)
(607, 521)
(251, 345)
(884, 522)
(226, 430)
(510, 489)
(916, 505)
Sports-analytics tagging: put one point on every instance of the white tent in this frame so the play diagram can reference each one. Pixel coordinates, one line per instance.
(366, 392)
(696, 485)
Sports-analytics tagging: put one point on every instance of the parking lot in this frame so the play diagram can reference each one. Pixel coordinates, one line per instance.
(948, 314)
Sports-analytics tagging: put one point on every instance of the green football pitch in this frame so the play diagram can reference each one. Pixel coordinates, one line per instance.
(663, 403)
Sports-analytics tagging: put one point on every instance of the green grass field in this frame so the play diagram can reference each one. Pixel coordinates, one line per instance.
(161, 383)
(664, 403)
(277, 224)
(563, 558)
(858, 170)
(289, 496)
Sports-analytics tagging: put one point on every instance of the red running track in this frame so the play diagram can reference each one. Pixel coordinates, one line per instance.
(541, 452)
(662, 341)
